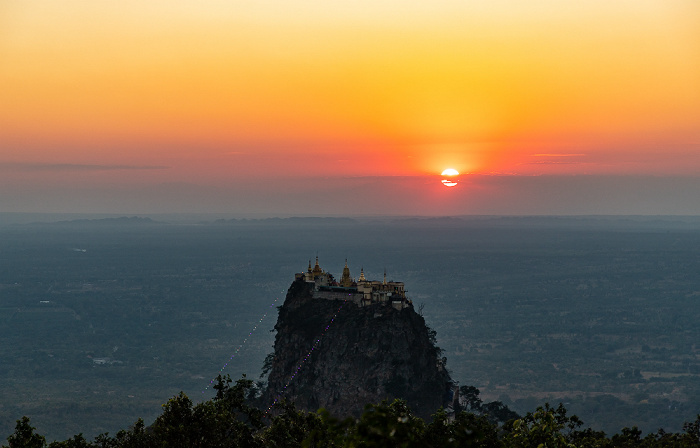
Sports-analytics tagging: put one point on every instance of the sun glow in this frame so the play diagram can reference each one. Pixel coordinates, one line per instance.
(450, 180)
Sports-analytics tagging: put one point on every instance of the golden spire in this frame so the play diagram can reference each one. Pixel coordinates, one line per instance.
(385, 276)
(317, 268)
(362, 275)
(309, 277)
(345, 280)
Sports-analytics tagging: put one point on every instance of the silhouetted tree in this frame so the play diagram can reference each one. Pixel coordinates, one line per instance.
(469, 396)
(24, 436)
(546, 427)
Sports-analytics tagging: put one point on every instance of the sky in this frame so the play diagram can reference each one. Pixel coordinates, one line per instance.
(310, 107)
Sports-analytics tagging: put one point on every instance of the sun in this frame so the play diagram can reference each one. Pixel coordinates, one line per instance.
(450, 180)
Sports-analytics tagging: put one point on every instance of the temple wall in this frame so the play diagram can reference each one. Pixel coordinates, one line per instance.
(337, 295)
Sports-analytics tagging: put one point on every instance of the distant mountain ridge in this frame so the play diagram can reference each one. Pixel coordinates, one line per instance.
(122, 220)
(290, 220)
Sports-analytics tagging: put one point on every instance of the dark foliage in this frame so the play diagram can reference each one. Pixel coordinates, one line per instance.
(228, 420)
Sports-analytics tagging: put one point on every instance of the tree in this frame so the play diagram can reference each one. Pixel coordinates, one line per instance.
(590, 439)
(292, 427)
(77, 441)
(331, 432)
(136, 437)
(692, 431)
(628, 437)
(233, 399)
(547, 427)
(440, 432)
(225, 421)
(467, 429)
(496, 411)
(387, 424)
(176, 425)
(469, 398)
(475, 430)
(24, 436)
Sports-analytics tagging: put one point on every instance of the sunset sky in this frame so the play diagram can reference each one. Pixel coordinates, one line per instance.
(350, 107)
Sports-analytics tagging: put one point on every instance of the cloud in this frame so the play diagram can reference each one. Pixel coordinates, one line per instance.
(553, 162)
(21, 166)
(556, 159)
(558, 155)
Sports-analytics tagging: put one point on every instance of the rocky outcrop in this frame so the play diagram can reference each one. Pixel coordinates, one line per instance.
(358, 355)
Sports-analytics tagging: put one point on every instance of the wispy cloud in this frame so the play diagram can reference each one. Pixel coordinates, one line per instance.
(26, 166)
(554, 162)
(558, 155)
(556, 159)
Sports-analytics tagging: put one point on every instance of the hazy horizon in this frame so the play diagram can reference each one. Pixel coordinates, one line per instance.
(370, 196)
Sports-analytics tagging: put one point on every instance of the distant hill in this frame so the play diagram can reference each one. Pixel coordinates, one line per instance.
(299, 220)
(120, 221)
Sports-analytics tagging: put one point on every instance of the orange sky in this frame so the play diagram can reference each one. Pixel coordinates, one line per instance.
(218, 92)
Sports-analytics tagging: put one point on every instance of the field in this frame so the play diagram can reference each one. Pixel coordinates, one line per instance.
(102, 321)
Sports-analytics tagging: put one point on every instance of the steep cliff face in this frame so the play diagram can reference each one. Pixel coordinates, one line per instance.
(359, 355)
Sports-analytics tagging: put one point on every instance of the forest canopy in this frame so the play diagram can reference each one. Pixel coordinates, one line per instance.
(232, 419)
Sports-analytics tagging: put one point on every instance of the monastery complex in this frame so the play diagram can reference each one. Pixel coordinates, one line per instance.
(362, 292)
